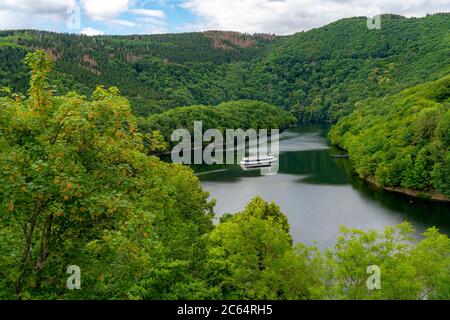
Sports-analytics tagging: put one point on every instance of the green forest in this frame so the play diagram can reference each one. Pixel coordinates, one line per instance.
(81, 119)
(402, 140)
(318, 74)
(242, 114)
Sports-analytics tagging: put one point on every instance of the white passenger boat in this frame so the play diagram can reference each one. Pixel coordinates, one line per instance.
(258, 161)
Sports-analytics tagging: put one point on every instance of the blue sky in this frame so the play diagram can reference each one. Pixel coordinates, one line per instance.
(142, 17)
(162, 16)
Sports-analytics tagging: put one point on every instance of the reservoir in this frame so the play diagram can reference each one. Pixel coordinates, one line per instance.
(318, 193)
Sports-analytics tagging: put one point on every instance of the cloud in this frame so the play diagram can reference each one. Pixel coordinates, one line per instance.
(156, 31)
(42, 14)
(37, 7)
(122, 23)
(153, 22)
(289, 16)
(149, 13)
(269, 16)
(104, 10)
(91, 32)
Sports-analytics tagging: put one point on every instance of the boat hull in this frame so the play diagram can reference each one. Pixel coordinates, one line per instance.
(258, 163)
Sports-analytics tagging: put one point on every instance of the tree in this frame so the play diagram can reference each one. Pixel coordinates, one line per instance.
(251, 257)
(156, 142)
(271, 212)
(402, 139)
(242, 256)
(75, 181)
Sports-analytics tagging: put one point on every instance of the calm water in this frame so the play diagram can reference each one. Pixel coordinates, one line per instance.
(318, 193)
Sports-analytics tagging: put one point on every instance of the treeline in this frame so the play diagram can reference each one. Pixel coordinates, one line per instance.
(241, 114)
(322, 73)
(156, 72)
(318, 74)
(401, 140)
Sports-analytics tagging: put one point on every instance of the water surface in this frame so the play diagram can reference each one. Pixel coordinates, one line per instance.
(318, 193)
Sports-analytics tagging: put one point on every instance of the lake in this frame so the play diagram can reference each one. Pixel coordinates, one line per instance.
(318, 193)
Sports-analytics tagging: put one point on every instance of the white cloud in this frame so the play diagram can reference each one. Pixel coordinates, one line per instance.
(289, 16)
(9, 20)
(149, 13)
(91, 32)
(42, 14)
(156, 31)
(271, 16)
(153, 22)
(122, 23)
(37, 6)
(54, 14)
(104, 10)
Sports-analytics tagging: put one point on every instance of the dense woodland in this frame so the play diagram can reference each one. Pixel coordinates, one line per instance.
(401, 140)
(155, 72)
(318, 74)
(79, 184)
(240, 114)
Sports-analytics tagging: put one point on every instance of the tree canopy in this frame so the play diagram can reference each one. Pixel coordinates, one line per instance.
(401, 140)
(318, 74)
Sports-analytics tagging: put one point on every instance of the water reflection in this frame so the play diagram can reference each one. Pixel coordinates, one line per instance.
(318, 193)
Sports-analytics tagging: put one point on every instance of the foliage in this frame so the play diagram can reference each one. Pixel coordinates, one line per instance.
(401, 140)
(242, 114)
(251, 257)
(156, 72)
(271, 212)
(318, 74)
(406, 271)
(77, 188)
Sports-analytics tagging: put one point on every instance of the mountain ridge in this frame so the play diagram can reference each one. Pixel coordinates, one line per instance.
(317, 74)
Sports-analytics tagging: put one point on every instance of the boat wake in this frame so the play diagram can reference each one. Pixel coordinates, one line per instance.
(209, 172)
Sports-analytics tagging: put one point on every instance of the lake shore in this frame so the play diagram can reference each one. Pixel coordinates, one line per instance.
(430, 195)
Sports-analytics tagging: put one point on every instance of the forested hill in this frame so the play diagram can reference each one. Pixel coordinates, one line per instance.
(318, 74)
(402, 140)
(323, 72)
(156, 71)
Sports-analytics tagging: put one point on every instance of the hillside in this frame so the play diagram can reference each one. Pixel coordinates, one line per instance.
(323, 72)
(402, 140)
(243, 114)
(318, 74)
(156, 72)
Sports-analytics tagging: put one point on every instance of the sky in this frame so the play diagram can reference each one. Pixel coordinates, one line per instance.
(97, 17)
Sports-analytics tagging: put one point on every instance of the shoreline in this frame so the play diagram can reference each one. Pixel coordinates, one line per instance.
(426, 195)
